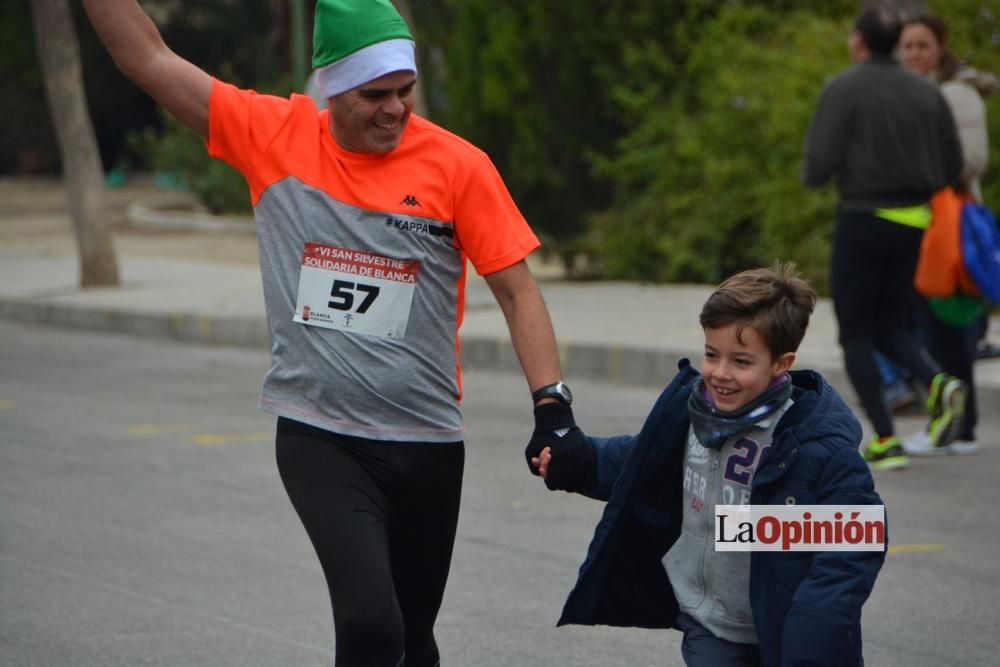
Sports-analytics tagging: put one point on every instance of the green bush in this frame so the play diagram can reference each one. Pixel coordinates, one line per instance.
(708, 184)
(530, 83)
(180, 154)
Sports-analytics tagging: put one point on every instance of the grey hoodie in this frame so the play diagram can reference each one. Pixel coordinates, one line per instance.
(714, 587)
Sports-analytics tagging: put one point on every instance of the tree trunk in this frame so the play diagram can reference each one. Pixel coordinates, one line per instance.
(908, 8)
(59, 55)
(403, 7)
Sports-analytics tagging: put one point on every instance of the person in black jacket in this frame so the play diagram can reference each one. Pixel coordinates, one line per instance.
(888, 139)
(745, 431)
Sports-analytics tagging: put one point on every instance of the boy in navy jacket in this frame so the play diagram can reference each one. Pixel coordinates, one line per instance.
(745, 431)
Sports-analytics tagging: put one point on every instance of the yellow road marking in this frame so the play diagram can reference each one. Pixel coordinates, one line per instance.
(199, 438)
(153, 429)
(6, 405)
(916, 548)
(225, 438)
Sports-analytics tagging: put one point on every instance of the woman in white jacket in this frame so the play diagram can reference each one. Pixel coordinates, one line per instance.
(923, 49)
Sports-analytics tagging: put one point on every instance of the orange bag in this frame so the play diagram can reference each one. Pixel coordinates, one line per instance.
(940, 272)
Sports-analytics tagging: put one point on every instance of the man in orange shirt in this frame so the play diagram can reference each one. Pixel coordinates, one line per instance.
(366, 215)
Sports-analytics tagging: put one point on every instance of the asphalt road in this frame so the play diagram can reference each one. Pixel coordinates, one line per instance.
(142, 522)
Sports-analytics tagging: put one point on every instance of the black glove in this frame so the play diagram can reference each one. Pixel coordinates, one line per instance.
(574, 465)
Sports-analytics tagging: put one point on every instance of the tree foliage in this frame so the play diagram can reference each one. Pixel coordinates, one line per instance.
(608, 120)
(707, 180)
(27, 141)
(707, 183)
(642, 139)
(531, 83)
(179, 155)
(243, 41)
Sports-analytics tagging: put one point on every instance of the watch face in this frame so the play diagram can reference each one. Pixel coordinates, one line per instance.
(558, 391)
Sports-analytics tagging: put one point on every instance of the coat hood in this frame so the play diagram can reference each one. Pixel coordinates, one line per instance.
(986, 83)
(819, 413)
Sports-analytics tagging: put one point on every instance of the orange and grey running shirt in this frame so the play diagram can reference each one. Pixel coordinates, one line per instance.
(363, 263)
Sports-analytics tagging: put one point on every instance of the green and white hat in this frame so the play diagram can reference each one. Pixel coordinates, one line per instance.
(356, 41)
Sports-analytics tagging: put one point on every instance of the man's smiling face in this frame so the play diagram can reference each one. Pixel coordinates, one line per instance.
(371, 118)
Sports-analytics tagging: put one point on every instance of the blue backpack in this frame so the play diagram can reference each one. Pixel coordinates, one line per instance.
(980, 239)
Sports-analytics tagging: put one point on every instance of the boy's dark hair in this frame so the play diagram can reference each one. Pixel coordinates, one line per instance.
(775, 301)
(880, 26)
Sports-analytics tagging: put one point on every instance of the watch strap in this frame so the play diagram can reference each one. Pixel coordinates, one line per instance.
(557, 390)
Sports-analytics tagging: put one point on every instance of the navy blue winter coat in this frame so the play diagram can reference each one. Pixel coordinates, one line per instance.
(806, 605)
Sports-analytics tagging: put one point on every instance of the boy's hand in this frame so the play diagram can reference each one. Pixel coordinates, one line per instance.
(542, 462)
(571, 464)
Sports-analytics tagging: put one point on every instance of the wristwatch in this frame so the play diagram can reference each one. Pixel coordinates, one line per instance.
(559, 391)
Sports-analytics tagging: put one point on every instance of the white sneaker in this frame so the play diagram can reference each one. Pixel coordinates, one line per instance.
(919, 444)
(962, 447)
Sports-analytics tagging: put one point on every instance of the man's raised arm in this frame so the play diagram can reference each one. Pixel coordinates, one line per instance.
(138, 49)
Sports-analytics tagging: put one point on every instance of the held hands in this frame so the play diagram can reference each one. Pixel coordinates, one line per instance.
(542, 462)
(559, 451)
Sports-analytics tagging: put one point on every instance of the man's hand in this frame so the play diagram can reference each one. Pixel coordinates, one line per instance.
(134, 42)
(570, 461)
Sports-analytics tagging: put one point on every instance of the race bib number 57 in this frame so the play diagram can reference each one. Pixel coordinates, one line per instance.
(355, 291)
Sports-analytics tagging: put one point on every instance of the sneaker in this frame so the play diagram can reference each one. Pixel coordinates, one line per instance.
(919, 444)
(934, 393)
(886, 454)
(946, 403)
(962, 447)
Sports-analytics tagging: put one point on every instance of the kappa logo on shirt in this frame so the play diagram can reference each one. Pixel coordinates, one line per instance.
(418, 227)
(410, 200)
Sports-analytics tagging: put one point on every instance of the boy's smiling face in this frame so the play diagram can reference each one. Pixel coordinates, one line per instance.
(737, 366)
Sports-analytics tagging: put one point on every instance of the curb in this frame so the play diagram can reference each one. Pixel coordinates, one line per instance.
(605, 363)
(614, 364)
(617, 365)
(182, 327)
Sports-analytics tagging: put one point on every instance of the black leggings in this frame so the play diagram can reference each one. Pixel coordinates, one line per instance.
(871, 280)
(955, 349)
(382, 518)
